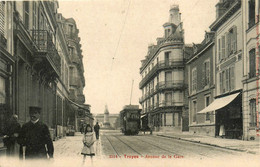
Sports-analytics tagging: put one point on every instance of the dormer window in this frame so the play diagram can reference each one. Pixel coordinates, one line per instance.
(70, 29)
(167, 32)
(195, 48)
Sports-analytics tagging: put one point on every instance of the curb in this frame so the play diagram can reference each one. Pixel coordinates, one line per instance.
(208, 144)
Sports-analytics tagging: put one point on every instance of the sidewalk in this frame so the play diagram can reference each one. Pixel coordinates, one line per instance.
(252, 147)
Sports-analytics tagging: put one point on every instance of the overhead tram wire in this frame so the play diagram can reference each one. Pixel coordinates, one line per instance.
(121, 32)
(119, 40)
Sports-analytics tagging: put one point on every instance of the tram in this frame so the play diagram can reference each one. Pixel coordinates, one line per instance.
(130, 120)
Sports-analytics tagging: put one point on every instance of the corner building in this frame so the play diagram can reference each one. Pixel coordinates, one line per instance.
(162, 81)
(251, 66)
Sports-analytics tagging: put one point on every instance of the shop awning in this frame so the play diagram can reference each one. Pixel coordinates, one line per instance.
(219, 103)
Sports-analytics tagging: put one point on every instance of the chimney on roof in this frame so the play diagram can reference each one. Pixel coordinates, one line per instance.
(175, 16)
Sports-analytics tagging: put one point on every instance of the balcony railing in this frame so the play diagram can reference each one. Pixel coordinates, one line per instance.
(3, 41)
(170, 103)
(45, 46)
(160, 66)
(170, 84)
(174, 84)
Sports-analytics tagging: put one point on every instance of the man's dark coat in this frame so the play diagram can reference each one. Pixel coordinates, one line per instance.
(35, 137)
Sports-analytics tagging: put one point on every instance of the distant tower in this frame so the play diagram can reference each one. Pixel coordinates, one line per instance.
(106, 118)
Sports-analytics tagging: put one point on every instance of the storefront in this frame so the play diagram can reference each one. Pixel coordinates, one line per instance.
(6, 90)
(228, 115)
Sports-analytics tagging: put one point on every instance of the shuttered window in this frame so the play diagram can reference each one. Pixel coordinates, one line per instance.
(234, 39)
(2, 18)
(220, 82)
(207, 75)
(232, 78)
(252, 107)
(194, 79)
(219, 50)
(26, 14)
(227, 80)
(223, 46)
(252, 64)
(229, 34)
(34, 16)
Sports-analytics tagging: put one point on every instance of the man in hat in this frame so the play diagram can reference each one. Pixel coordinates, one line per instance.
(96, 129)
(35, 135)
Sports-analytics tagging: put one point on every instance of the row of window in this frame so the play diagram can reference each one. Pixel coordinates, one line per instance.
(252, 63)
(170, 98)
(167, 79)
(205, 76)
(166, 119)
(227, 44)
(227, 80)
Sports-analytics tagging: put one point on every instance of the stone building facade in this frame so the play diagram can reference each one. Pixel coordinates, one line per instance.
(251, 66)
(201, 86)
(228, 65)
(35, 66)
(162, 81)
(7, 63)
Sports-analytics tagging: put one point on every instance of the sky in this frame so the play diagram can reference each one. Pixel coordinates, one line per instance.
(115, 35)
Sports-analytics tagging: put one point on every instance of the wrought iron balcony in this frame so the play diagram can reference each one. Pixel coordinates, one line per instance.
(3, 41)
(174, 84)
(170, 103)
(81, 98)
(46, 49)
(172, 63)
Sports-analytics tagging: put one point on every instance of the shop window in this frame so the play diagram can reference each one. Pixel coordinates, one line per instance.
(252, 108)
(2, 103)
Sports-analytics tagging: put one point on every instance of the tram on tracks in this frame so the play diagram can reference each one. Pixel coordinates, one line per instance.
(130, 120)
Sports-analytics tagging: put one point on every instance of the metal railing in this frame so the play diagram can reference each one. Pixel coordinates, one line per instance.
(170, 103)
(160, 66)
(44, 44)
(173, 84)
(170, 84)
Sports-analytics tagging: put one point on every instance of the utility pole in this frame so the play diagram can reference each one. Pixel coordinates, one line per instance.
(131, 91)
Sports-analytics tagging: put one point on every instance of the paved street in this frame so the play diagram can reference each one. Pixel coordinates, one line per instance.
(115, 149)
(116, 145)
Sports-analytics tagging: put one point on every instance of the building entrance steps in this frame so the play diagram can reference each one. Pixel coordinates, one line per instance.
(252, 147)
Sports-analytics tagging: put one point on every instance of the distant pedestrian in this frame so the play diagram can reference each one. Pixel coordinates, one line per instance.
(96, 129)
(35, 136)
(11, 133)
(82, 128)
(88, 143)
